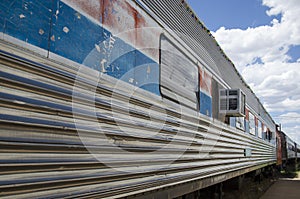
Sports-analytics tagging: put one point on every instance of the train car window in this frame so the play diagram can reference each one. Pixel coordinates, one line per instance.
(179, 79)
(232, 121)
(247, 121)
(237, 122)
(215, 100)
(268, 134)
(259, 129)
(264, 131)
(240, 123)
(251, 123)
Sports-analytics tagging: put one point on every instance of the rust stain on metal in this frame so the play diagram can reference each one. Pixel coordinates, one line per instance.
(205, 81)
(110, 15)
(122, 18)
(116, 14)
(139, 20)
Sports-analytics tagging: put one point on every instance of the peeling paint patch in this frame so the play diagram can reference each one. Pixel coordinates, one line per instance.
(78, 15)
(148, 70)
(103, 61)
(57, 10)
(41, 31)
(66, 29)
(22, 16)
(98, 48)
(91, 7)
(52, 38)
(131, 80)
(25, 6)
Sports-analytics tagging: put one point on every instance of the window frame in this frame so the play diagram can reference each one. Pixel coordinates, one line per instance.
(195, 65)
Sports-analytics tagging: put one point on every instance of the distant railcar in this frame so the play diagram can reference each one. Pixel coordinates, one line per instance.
(289, 149)
(119, 98)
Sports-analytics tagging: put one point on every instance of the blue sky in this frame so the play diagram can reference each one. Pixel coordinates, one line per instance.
(262, 38)
(230, 13)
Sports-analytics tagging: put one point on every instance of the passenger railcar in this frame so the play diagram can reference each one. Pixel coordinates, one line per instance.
(288, 150)
(291, 148)
(116, 98)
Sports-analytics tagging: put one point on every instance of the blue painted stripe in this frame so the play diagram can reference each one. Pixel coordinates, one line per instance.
(69, 76)
(205, 104)
(27, 20)
(58, 28)
(112, 55)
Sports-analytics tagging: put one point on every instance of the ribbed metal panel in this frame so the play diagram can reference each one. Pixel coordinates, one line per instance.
(177, 18)
(42, 152)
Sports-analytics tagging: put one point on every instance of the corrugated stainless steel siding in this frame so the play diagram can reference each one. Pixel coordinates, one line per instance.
(173, 14)
(41, 149)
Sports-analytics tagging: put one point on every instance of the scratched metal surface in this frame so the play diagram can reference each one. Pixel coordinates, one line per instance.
(42, 154)
(95, 139)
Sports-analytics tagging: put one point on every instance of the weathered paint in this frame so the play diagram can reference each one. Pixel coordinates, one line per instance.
(205, 104)
(125, 20)
(247, 127)
(85, 32)
(205, 81)
(75, 36)
(205, 91)
(26, 20)
(279, 147)
(110, 51)
(93, 8)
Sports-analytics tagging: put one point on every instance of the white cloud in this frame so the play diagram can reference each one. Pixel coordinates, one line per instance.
(269, 42)
(293, 132)
(276, 83)
(289, 118)
(261, 56)
(290, 123)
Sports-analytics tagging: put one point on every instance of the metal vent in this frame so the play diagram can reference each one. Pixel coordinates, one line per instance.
(232, 102)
